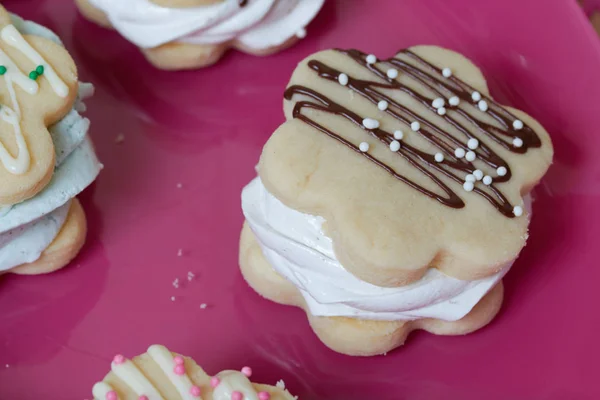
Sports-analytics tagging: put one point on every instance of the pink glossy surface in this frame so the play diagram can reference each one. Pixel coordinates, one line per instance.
(205, 129)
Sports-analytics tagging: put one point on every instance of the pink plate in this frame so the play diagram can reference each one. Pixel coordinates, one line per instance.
(191, 142)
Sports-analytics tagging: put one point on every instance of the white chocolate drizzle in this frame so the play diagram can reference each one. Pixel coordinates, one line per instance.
(129, 373)
(101, 389)
(234, 381)
(164, 359)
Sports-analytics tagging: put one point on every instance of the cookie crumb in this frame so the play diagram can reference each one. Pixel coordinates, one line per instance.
(176, 283)
(203, 306)
(172, 298)
(120, 138)
(280, 384)
(179, 185)
(179, 252)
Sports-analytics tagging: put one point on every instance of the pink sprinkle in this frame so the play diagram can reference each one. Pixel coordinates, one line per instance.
(195, 391)
(179, 370)
(214, 381)
(247, 371)
(178, 360)
(264, 396)
(143, 397)
(112, 395)
(119, 359)
(237, 395)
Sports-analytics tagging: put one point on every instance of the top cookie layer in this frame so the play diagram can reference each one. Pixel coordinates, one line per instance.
(38, 86)
(410, 161)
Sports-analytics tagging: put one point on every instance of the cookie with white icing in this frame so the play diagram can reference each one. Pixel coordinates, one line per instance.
(160, 374)
(46, 158)
(397, 192)
(188, 34)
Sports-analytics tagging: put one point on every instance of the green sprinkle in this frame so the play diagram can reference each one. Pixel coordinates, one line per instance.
(40, 70)
(33, 75)
(2, 69)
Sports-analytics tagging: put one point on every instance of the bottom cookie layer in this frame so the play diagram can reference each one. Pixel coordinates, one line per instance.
(180, 56)
(63, 249)
(353, 336)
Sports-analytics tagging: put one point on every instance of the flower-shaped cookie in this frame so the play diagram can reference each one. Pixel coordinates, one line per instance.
(160, 374)
(409, 160)
(38, 86)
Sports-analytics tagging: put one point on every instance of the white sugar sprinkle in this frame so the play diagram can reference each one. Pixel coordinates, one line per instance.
(370, 123)
(364, 147)
(473, 143)
(517, 142)
(395, 145)
(176, 283)
(301, 33)
(478, 174)
(454, 101)
(343, 79)
(470, 178)
(415, 126)
(172, 298)
(179, 252)
(517, 124)
(518, 211)
(120, 138)
(483, 106)
(476, 96)
(371, 59)
(179, 185)
(392, 73)
(382, 105)
(439, 102)
(459, 153)
(501, 171)
(469, 186)
(447, 73)
(7, 366)
(441, 111)
(470, 156)
(398, 135)
(487, 180)
(203, 306)
(439, 157)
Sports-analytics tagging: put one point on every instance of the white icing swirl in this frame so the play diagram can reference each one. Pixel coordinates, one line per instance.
(259, 25)
(296, 247)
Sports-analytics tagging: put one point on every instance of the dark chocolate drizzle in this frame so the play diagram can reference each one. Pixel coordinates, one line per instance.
(243, 3)
(430, 76)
